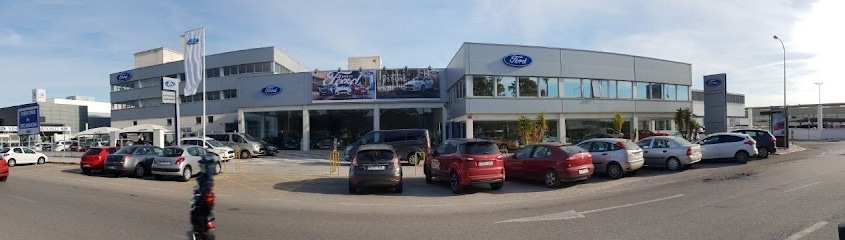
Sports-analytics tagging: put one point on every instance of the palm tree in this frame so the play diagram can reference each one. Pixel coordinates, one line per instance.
(618, 121)
(683, 119)
(542, 126)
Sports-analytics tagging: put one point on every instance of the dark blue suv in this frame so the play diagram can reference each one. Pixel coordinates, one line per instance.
(765, 141)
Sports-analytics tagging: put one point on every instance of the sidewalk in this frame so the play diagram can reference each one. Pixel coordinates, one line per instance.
(793, 148)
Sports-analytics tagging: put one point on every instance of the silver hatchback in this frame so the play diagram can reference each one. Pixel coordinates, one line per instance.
(614, 156)
(668, 151)
(181, 161)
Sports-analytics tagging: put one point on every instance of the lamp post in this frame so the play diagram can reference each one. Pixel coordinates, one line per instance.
(785, 113)
(820, 120)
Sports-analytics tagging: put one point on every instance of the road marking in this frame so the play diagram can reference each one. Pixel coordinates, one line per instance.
(23, 198)
(793, 189)
(807, 231)
(571, 214)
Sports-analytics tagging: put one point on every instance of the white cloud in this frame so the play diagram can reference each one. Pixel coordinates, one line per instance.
(10, 38)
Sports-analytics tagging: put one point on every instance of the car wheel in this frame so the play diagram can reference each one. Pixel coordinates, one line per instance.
(2, 179)
(86, 171)
(428, 177)
(218, 168)
(138, 172)
(455, 183)
(551, 179)
(245, 154)
(497, 185)
(186, 174)
(763, 152)
(741, 157)
(674, 164)
(353, 189)
(413, 158)
(398, 189)
(41, 160)
(614, 170)
(158, 177)
(11, 162)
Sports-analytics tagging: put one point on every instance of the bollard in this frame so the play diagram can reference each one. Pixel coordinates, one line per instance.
(237, 158)
(334, 162)
(420, 157)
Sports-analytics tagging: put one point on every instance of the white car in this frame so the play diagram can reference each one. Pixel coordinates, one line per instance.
(343, 89)
(728, 145)
(61, 146)
(213, 146)
(22, 155)
(419, 84)
(42, 146)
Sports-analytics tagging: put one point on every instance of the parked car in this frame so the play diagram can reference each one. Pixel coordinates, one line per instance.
(465, 161)
(61, 146)
(406, 143)
(671, 152)
(359, 89)
(42, 146)
(644, 133)
(22, 155)
(375, 165)
(248, 145)
(728, 145)
(4, 170)
(553, 163)
(95, 158)
(182, 161)
(597, 135)
(503, 140)
(766, 142)
(269, 149)
(343, 89)
(419, 84)
(136, 159)
(325, 90)
(223, 152)
(614, 156)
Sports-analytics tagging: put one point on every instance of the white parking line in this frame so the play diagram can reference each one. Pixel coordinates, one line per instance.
(793, 189)
(807, 231)
(571, 214)
(23, 198)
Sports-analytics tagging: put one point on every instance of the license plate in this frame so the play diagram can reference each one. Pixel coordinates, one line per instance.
(86, 165)
(164, 163)
(375, 167)
(583, 171)
(485, 163)
(111, 167)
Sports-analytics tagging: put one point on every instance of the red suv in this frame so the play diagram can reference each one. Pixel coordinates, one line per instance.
(551, 162)
(94, 158)
(4, 170)
(464, 162)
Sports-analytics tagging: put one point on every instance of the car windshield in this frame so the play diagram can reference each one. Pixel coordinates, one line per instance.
(573, 149)
(480, 148)
(172, 152)
(681, 141)
(93, 151)
(249, 138)
(5, 150)
(126, 150)
(375, 155)
(629, 145)
(214, 143)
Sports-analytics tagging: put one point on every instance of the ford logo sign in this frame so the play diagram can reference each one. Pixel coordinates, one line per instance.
(271, 90)
(713, 82)
(517, 60)
(124, 76)
(193, 41)
(169, 83)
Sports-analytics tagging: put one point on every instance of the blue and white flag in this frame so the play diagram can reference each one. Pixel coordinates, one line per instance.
(194, 43)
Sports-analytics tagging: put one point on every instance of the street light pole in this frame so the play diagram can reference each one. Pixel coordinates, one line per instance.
(785, 113)
(820, 124)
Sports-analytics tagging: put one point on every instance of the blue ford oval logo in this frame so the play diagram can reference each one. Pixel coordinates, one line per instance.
(193, 41)
(713, 82)
(271, 90)
(124, 76)
(517, 60)
(169, 83)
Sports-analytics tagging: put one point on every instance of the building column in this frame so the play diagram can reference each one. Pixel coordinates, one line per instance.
(306, 130)
(635, 126)
(262, 125)
(241, 121)
(376, 118)
(444, 120)
(561, 128)
(651, 125)
(469, 128)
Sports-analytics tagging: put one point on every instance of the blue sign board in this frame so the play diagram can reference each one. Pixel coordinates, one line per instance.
(123, 76)
(713, 82)
(271, 90)
(517, 60)
(29, 121)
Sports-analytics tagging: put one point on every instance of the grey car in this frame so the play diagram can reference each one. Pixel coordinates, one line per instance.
(669, 151)
(181, 161)
(135, 159)
(614, 156)
(375, 165)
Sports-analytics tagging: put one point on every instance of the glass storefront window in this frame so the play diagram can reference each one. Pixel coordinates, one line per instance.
(548, 87)
(578, 129)
(482, 86)
(625, 90)
(683, 93)
(656, 91)
(586, 88)
(346, 126)
(405, 118)
(528, 86)
(282, 129)
(610, 85)
(504, 133)
(571, 88)
(641, 92)
(506, 86)
(669, 92)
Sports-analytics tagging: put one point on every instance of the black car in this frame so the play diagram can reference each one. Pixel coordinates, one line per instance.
(375, 165)
(765, 141)
(269, 149)
(406, 142)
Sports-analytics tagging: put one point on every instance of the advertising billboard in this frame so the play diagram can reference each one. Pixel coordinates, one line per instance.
(333, 86)
(408, 83)
(778, 124)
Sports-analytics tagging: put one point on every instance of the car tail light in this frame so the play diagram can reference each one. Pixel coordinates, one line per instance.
(395, 160)
(774, 139)
(689, 151)
(750, 143)
(125, 158)
(620, 145)
(499, 157)
(210, 224)
(469, 159)
(355, 162)
(179, 160)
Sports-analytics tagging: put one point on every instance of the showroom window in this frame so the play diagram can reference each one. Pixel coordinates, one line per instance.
(641, 92)
(506, 86)
(656, 91)
(347, 126)
(571, 88)
(625, 90)
(549, 87)
(683, 93)
(282, 128)
(586, 89)
(669, 92)
(482, 86)
(527, 86)
(610, 88)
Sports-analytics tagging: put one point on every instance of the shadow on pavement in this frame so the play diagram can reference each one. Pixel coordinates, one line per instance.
(414, 186)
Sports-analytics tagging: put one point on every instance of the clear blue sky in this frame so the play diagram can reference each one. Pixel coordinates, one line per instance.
(70, 46)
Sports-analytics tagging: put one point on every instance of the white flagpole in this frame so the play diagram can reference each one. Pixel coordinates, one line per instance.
(204, 97)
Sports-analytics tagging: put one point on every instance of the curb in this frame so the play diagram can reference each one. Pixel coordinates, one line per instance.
(63, 163)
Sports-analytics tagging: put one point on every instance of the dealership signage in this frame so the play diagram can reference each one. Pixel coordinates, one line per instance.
(376, 85)
(29, 121)
(43, 129)
(517, 60)
(169, 84)
(124, 76)
(168, 97)
(271, 90)
(713, 82)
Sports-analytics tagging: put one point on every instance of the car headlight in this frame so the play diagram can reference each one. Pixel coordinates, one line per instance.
(256, 146)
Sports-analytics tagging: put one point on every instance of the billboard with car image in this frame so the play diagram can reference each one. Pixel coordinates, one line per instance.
(407, 83)
(351, 86)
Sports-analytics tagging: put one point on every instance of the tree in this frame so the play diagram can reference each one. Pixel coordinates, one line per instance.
(542, 127)
(684, 121)
(532, 131)
(693, 127)
(618, 121)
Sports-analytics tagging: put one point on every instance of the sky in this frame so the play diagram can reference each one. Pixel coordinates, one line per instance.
(70, 47)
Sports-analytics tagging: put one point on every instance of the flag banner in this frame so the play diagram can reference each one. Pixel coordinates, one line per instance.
(194, 60)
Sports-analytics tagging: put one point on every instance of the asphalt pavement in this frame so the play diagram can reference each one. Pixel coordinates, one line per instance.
(792, 196)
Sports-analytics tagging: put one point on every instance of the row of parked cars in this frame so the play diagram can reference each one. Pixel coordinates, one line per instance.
(463, 162)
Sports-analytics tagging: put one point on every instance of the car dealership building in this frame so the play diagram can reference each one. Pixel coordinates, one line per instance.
(483, 90)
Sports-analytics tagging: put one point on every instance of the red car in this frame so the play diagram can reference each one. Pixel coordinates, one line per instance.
(94, 158)
(552, 163)
(466, 161)
(359, 89)
(4, 170)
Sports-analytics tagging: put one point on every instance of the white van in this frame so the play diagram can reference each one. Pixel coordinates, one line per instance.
(225, 153)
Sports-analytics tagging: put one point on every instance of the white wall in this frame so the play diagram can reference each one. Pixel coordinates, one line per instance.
(93, 107)
(813, 134)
